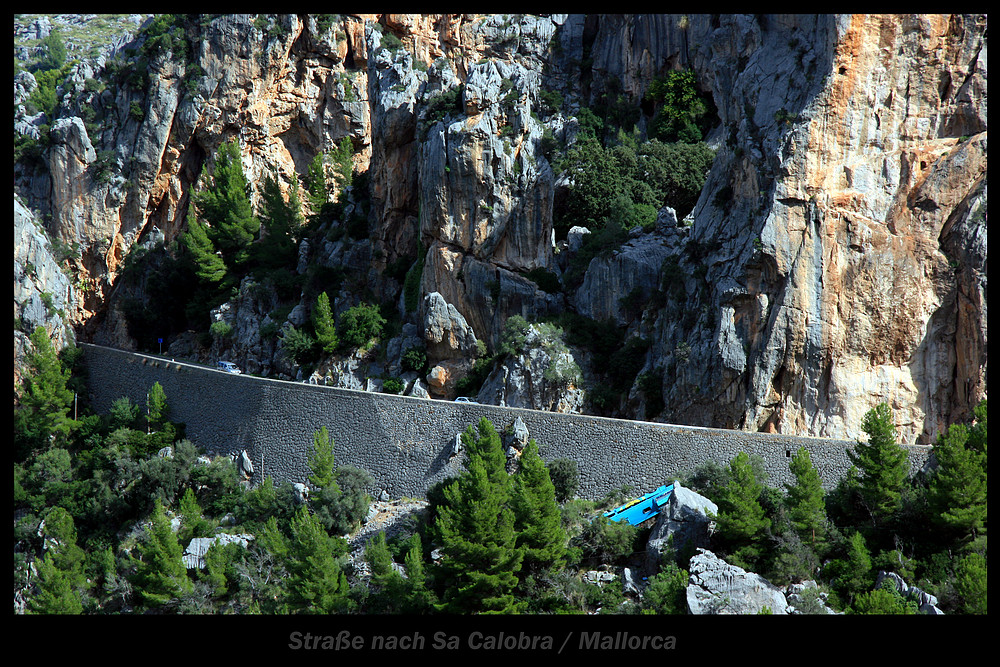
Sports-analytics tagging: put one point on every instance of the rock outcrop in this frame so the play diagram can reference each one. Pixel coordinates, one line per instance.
(842, 179)
(716, 587)
(446, 333)
(835, 259)
(683, 526)
(43, 291)
(542, 375)
(194, 553)
(926, 603)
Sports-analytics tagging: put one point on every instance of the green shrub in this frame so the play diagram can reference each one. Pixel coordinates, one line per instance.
(391, 42)
(565, 475)
(439, 107)
(324, 22)
(220, 329)
(341, 506)
(103, 166)
(605, 541)
(54, 52)
(393, 386)
(683, 110)
(512, 340)
(414, 359)
(299, 346)
(550, 102)
(667, 591)
(361, 324)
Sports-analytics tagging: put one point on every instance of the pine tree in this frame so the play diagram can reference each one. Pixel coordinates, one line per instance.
(225, 205)
(43, 417)
(538, 519)
(156, 406)
(281, 220)
(343, 165)
(193, 524)
(851, 574)
(970, 583)
(480, 558)
(209, 266)
(161, 576)
(388, 587)
(55, 592)
(882, 465)
(316, 192)
(61, 580)
(805, 499)
(742, 523)
(317, 584)
(957, 493)
(322, 461)
(420, 599)
(324, 326)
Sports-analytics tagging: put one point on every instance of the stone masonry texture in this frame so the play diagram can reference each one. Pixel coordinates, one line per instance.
(406, 444)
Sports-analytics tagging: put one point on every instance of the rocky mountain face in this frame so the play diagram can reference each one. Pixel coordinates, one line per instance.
(835, 258)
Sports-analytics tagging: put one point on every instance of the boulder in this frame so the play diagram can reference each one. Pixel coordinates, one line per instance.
(243, 465)
(441, 378)
(683, 525)
(446, 333)
(633, 268)
(301, 493)
(575, 237)
(517, 435)
(194, 554)
(716, 587)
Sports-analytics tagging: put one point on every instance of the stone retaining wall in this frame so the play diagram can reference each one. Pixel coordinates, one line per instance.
(406, 444)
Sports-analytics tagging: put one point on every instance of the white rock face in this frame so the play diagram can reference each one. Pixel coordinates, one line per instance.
(716, 587)
(446, 333)
(682, 525)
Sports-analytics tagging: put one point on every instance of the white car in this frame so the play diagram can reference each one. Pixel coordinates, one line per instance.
(229, 367)
(465, 399)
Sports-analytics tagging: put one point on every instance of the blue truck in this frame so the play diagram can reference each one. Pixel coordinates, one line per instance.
(645, 507)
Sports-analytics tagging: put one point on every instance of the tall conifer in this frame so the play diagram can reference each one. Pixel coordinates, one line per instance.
(317, 584)
(209, 266)
(805, 499)
(161, 577)
(742, 522)
(324, 326)
(480, 557)
(225, 204)
(60, 579)
(539, 521)
(882, 464)
(957, 491)
(46, 400)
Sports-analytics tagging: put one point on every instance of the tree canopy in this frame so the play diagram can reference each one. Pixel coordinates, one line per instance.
(882, 464)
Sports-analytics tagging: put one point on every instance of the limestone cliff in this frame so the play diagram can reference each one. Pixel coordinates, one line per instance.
(836, 256)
